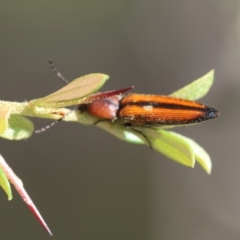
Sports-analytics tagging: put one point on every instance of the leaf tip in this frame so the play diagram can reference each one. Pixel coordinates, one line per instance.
(208, 169)
(211, 72)
(10, 198)
(103, 76)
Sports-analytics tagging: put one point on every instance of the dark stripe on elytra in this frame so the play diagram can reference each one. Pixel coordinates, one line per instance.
(164, 105)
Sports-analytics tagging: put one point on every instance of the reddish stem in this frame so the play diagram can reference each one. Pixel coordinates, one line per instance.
(17, 183)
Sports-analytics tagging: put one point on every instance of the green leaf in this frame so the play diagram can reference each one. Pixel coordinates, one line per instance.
(197, 89)
(19, 128)
(168, 143)
(121, 132)
(201, 155)
(4, 183)
(74, 92)
(4, 115)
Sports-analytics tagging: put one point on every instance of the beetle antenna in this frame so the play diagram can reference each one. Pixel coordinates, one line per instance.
(55, 70)
(48, 126)
(97, 96)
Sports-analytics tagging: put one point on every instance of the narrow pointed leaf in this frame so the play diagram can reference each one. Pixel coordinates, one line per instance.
(4, 183)
(17, 183)
(197, 89)
(19, 128)
(72, 93)
(26, 198)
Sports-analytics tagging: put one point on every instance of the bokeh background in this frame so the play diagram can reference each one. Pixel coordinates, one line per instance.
(86, 183)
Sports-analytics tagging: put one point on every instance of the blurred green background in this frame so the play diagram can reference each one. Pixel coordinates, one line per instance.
(86, 183)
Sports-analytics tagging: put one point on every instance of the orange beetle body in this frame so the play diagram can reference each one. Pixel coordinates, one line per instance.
(149, 110)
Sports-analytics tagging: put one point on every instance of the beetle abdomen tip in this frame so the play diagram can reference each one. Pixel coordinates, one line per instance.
(212, 113)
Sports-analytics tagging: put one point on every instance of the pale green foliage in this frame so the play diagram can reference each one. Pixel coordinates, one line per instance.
(19, 127)
(197, 89)
(4, 115)
(200, 154)
(74, 92)
(4, 183)
(14, 126)
(170, 144)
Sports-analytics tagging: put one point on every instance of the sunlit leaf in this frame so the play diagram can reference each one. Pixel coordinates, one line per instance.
(173, 145)
(74, 92)
(19, 128)
(4, 115)
(119, 131)
(201, 155)
(197, 89)
(168, 143)
(4, 183)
